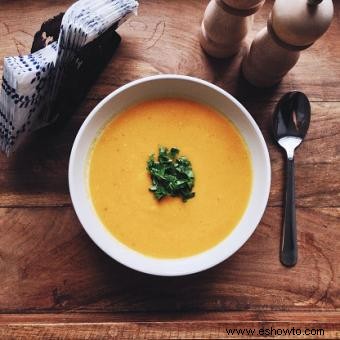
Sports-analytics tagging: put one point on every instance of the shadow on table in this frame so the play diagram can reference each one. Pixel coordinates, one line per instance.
(39, 166)
(113, 287)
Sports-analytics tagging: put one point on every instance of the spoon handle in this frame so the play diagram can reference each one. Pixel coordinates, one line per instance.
(289, 251)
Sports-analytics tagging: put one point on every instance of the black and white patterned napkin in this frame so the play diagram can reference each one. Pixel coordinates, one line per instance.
(36, 86)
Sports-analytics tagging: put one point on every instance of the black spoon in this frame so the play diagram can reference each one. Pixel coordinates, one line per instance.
(290, 124)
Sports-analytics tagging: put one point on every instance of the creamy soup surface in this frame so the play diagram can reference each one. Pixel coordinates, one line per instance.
(170, 228)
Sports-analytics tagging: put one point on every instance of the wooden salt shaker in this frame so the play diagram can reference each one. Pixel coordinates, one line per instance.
(225, 25)
(292, 27)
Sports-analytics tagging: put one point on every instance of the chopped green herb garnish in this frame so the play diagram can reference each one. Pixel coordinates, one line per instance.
(171, 175)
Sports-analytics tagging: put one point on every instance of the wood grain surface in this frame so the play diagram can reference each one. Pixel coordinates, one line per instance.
(55, 283)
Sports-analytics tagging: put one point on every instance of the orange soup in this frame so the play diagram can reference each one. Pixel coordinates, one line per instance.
(170, 228)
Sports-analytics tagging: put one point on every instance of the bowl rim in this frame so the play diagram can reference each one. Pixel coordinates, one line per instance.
(162, 270)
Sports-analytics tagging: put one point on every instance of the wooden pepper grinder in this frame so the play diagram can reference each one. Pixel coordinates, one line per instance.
(225, 25)
(292, 27)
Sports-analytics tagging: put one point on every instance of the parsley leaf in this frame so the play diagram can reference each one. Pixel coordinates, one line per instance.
(171, 175)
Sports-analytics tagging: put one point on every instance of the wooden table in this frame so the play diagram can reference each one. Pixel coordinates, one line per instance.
(56, 283)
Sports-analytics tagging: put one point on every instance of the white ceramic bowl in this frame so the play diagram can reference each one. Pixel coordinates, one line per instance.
(165, 86)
